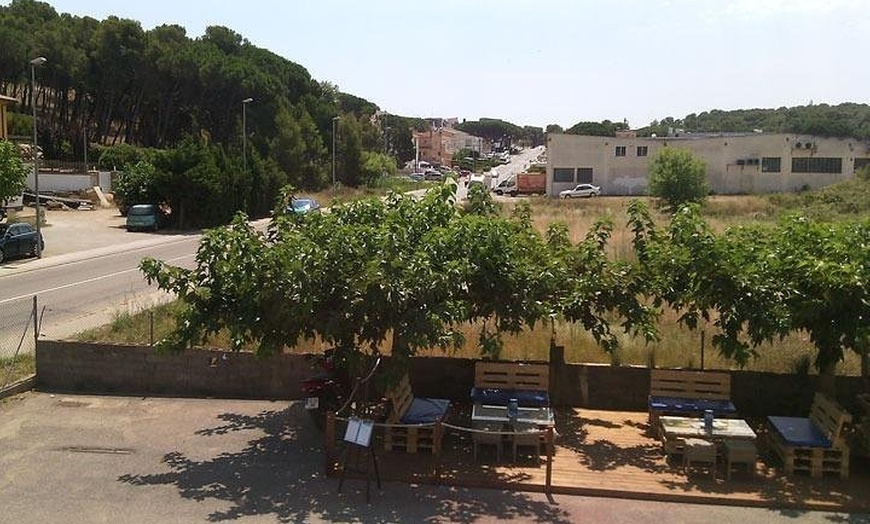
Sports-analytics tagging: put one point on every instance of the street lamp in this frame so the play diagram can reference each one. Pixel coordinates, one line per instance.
(334, 120)
(245, 103)
(38, 61)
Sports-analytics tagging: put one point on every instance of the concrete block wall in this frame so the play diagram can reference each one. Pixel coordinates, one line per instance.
(135, 370)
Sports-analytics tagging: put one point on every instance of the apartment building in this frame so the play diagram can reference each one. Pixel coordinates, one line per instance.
(438, 145)
(737, 163)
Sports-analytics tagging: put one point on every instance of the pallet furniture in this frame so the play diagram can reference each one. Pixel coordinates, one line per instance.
(817, 444)
(495, 382)
(739, 452)
(688, 393)
(410, 424)
(674, 431)
(487, 434)
(700, 451)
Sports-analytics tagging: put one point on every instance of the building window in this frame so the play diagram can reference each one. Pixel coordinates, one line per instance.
(771, 164)
(584, 175)
(563, 174)
(620, 150)
(861, 163)
(751, 161)
(642, 150)
(817, 165)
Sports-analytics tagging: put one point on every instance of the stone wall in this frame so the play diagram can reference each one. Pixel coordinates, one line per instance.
(134, 370)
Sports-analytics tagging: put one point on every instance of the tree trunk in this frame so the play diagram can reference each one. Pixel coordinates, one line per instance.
(827, 380)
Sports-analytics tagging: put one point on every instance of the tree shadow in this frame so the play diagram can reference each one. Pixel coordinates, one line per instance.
(280, 472)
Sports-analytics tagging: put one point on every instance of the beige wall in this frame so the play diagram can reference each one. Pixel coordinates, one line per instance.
(627, 175)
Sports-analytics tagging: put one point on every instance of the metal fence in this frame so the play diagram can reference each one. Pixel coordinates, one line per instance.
(18, 327)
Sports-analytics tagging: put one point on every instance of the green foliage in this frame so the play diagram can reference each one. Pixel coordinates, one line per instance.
(480, 201)
(846, 200)
(118, 157)
(603, 128)
(843, 120)
(13, 171)
(375, 166)
(757, 283)
(137, 184)
(677, 177)
(397, 271)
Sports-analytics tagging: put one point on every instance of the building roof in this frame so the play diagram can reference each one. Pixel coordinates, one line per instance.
(7, 99)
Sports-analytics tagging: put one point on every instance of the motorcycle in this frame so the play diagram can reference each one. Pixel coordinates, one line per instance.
(333, 390)
(328, 390)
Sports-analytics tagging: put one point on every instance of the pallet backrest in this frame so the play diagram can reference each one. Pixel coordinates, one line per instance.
(400, 397)
(830, 418)
(683, 383)
(512, 375)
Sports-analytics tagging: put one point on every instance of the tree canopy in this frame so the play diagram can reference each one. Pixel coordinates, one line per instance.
(677, 177)
(13, 172)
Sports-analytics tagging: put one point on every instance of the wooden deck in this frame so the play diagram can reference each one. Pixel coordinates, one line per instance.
(606, 453)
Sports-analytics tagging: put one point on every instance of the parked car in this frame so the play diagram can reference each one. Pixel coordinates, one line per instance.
(432, 174)
(303, 206)
(145, 217)
(18, 239)
(582, 190)
(417, 177)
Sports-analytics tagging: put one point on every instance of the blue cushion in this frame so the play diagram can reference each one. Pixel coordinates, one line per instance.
(426, 410)
(719, 406)
(799, 432)
(526, 398)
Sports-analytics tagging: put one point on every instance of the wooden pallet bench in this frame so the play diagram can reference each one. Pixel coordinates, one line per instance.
(411, 420)
(688, 393)
(496, 382)
(815, 445)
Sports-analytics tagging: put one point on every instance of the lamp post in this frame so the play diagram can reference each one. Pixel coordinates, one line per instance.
(38, 61)
(334, 120)
(245, 103)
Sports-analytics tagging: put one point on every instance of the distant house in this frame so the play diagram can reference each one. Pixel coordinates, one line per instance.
(4, 127)
(737, 163)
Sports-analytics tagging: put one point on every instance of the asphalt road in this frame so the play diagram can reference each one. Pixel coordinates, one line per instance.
(88, 275)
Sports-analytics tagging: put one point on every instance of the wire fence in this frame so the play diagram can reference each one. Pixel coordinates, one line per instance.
(18, 325)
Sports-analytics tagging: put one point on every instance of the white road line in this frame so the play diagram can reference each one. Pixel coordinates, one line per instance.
(87, 281)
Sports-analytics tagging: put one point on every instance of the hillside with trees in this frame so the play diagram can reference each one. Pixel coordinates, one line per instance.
(163, 94)
(843, 120)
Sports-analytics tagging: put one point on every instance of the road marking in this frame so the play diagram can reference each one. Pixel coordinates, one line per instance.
(87, 281)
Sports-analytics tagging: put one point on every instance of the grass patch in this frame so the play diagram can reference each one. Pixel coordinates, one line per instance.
(13, 369)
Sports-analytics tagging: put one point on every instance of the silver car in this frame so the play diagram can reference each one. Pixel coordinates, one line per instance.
(580, 191)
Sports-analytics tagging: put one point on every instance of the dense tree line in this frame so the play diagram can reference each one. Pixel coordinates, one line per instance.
(843, 120)
(497, 130)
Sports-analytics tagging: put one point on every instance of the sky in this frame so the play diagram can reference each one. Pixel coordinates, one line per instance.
(541, 62)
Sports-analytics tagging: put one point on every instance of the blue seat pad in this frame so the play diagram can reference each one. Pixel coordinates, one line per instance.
(719, 407)
(426, 410)
(799, 432)
(526, 398)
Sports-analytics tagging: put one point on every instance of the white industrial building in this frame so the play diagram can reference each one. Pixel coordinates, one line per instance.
(737, 163)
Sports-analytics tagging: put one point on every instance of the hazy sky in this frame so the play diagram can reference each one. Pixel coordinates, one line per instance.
(537, 62)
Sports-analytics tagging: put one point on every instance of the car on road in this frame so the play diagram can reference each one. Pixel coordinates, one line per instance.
(303, 206)
(581, 191)
(145, 217)
(18, 239)
(432, 174)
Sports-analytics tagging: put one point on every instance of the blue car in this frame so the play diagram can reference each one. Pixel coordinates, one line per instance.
(17, 240)
(303, 206)
(145, 217)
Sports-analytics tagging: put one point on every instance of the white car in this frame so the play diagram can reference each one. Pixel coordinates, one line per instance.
(582, 190)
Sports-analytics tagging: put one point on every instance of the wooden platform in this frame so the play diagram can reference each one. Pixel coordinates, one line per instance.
(605, 453)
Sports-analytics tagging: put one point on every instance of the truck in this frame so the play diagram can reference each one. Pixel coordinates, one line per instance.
(523, 184)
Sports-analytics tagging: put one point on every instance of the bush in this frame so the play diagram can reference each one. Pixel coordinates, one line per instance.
(677, 177)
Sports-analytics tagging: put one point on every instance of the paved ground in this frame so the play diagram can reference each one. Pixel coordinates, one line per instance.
(70, 459)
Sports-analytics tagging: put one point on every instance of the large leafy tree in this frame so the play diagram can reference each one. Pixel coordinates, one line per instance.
(397, 273)
(758, 283)
(677, 177)
(13, 171)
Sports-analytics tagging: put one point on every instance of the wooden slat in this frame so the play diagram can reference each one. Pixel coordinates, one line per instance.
(512, 375)
(680, 383)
